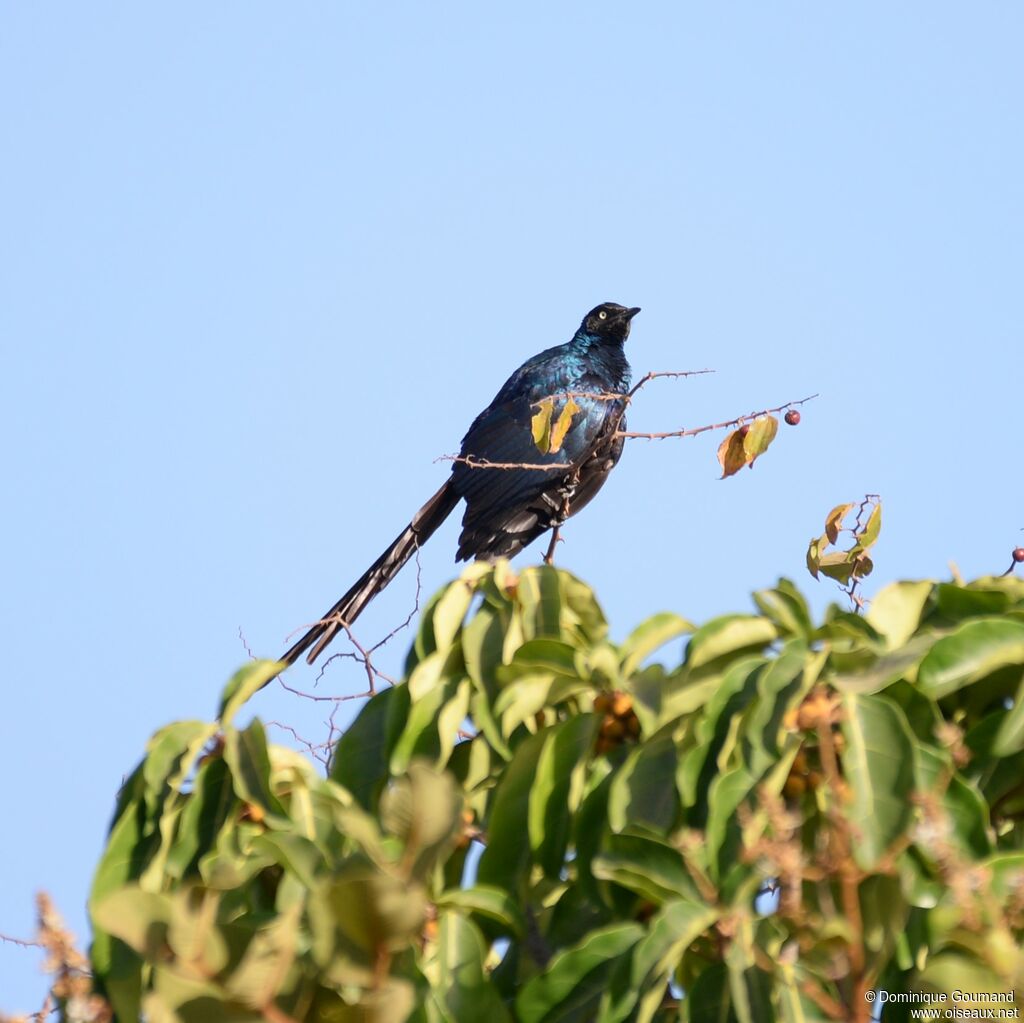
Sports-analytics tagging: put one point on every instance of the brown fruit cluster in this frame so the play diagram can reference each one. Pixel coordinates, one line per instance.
(820, 709)
(469, 829)
(429, 932)
(252, 812)
(792, 417)
(619, 724)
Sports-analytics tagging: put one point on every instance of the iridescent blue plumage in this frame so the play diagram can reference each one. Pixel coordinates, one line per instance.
(507, 504)
(508, 508)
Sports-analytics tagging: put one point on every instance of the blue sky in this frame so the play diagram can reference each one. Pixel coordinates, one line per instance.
(260, 266)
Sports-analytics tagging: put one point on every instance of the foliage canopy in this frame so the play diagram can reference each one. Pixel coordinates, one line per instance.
(780, 818)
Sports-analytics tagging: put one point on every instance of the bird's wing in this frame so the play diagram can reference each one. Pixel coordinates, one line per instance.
(503, 433)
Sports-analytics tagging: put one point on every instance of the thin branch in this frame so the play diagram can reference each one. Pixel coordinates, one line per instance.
(549, 554)
(670, 373)
(630, 434)
(484, 463)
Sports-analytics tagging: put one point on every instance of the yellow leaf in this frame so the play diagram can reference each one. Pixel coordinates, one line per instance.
(541, 424)
(761, 433)
(562, 425)
(834, 521)
(814, 555)
(873, 527)
(731, 456)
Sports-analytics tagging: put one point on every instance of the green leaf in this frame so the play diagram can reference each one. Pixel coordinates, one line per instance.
(888, 669)
(460, 987)
(245, 682)
(867, 537)
(296, 853)
(541, 656)
(1007, 874)
(749, 986)
(708, 999)
(838, 566)
(1010, 737)
(423, 809)
(966, 810)
(786, 608)
(728, 634)
(170, 756)
(647, 637)
(261, 975)
(814, 554)
(648, 866)
(360, 761)
(883, 914)
(643, 792)
(761, 433)
(211, 801)
(957, 602)
(779, 687)
(557, 790)
(571, 987)
(449, 611)
(488, 901)
(433, 691)
(972, 651)
(364, 909)
(483, 641)
(124, 857)
(139, 918)
(245, 753)
(508, 838)
(722, 837)
(879, 764)
(637, 988)
(896, 610)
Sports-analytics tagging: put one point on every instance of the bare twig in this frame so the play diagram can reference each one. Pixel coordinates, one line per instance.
(483, 463)
(675, 374)
(630, 434)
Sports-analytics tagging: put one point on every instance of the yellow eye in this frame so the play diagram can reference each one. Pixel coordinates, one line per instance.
(603, 315)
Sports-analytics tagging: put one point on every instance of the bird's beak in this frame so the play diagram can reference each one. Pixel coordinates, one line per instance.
(630, 313)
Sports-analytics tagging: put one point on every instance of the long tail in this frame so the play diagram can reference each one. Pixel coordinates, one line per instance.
(424, 523)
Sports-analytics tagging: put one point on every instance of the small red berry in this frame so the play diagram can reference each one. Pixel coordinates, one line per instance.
(792, 417)
(1018, 555)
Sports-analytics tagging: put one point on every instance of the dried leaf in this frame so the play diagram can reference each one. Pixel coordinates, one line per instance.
(761, 433)
(562, 425)
(863, 566)
(834, 521)
(731, 455)
(541, 424)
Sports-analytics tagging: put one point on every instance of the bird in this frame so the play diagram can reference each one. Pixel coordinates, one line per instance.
(514, 489)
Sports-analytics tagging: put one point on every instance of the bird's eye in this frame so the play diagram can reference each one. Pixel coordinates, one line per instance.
(603, 315)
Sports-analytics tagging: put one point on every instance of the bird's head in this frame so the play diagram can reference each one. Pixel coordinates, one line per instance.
(609, 321)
